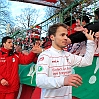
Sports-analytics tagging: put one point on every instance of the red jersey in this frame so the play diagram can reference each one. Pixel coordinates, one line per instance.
(9, 68)
(71, 29)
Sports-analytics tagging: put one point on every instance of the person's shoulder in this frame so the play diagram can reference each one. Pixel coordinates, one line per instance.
(46, 52)
(91, 23)
(17, 54)
(67, 54)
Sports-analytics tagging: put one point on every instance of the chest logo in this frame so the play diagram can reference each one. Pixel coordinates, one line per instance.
(55, 61)
(40, 68)
(13, 59)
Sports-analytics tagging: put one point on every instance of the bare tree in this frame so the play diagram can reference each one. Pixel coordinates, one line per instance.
(61, 4)
(5, 16)
(49, 12)
(28, 17)
(78, 9)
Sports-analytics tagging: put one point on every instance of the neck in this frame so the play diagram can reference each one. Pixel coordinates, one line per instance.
(56, 47)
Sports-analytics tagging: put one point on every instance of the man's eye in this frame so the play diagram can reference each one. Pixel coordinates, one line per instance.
(67, 35)
(62, 34)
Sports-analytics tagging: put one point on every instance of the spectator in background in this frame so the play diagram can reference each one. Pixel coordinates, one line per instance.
(82, 21)
(96, 14)
(46, 43)
(71, 24)
(79, 48)
(79, 36)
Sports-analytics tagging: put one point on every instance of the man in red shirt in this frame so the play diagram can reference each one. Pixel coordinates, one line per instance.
(9, 61)
(71, 24)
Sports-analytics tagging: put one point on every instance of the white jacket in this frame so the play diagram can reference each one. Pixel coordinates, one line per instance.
(54, 65)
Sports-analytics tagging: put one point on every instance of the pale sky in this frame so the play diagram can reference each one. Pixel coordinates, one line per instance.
(17, 6)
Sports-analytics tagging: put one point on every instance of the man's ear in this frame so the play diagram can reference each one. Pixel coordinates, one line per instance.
(52, 37)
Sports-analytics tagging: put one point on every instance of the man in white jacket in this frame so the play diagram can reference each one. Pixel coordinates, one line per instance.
(54, 65)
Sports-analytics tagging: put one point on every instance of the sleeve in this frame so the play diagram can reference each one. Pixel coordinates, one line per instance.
(1, 65)
(77, 37)
(26, 59)
(88, 57)
(80, 36)
(94, 26)
(43, 80)
(1, 77)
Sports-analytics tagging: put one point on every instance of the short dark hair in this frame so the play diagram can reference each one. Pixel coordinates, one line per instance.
(70, 20)
(4, 39)
(84, 18)
(97, 12)
(53, 28)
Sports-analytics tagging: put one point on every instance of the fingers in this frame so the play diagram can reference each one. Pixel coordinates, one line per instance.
(90, 32)
(37, 43)
(85, 30)
(77, 80)
(73, 80)
(4, 82)
(37, 49)
(77, 76)
(76, 83)
(79, 28)
(90, 35)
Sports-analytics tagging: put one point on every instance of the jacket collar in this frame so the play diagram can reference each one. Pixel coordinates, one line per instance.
(4, 50)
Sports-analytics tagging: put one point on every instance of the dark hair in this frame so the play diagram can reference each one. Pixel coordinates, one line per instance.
(84, 18)
(53, 28)
(69, 20)
(4, 39)
(97, 12)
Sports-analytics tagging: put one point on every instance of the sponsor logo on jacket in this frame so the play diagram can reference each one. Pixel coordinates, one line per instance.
(2, 59)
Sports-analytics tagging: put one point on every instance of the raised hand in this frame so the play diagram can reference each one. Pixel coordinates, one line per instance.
(80, 28)
(89, 35)
(36, 49)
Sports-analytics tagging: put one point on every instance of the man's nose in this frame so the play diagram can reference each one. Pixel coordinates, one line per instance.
(66, 37)
(11, 43)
